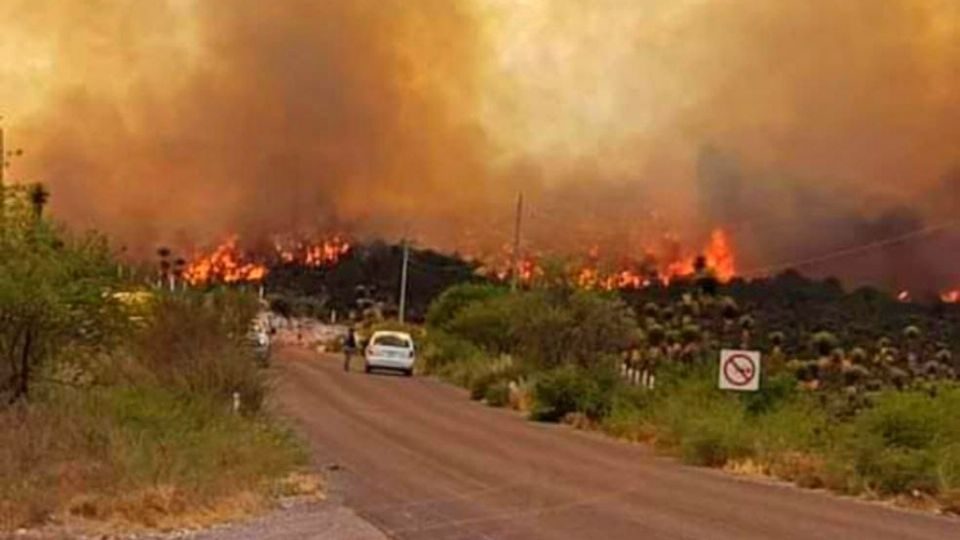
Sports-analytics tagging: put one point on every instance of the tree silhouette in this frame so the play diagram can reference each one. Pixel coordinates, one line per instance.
(38, 196)
(164, 254)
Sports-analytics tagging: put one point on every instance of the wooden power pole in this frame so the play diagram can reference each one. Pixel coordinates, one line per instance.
(515, 271)
(403, 281)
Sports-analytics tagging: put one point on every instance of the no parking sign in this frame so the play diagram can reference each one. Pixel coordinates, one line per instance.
(740, 370)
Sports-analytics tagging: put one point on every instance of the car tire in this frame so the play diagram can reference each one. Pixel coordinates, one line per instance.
(367, 368)
(408, 372)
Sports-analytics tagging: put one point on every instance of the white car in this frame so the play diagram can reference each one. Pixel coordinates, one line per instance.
(390, 350)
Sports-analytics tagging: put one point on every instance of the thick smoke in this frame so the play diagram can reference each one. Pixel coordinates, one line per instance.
(207, 118)
(802, 126)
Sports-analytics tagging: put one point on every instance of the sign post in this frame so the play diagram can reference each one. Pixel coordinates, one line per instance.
(740, 370)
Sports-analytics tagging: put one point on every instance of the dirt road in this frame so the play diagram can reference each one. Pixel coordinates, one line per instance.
(416, 458)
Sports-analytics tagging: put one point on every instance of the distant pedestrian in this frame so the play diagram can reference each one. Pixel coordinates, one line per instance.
(349, 347)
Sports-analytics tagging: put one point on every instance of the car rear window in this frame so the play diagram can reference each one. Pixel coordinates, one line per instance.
(392, 341)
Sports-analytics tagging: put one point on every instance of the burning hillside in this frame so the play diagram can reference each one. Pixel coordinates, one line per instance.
(227, 263)
(230, 263)
(382, 117)
(596, 269)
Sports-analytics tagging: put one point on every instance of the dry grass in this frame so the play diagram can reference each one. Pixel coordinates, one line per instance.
(154, 443)
(138, 459)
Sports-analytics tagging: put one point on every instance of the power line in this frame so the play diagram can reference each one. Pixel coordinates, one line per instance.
(846, 252)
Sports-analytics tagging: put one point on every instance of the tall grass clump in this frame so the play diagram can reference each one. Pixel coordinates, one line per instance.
(196, 344)
(908, 442)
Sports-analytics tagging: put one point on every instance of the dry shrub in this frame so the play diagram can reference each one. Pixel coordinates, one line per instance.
(521, 396)
(950, 501)
(135, 456)
(196, 344)
(48, 455)
(807, 470)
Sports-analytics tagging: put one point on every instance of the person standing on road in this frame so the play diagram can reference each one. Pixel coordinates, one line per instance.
(349, 347)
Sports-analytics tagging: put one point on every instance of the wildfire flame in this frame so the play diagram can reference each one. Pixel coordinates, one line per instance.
(327, 252)
(950, 297)
(228, 263)
(718, 258)
(225, 264)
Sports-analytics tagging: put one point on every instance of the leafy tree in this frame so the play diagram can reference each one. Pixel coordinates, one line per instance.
(55, 289)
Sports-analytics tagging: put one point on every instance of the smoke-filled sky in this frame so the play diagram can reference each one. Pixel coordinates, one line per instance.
(803, 126)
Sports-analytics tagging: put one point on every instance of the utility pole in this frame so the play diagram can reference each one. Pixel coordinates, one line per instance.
(3, 187)
(403, 280)
(3, 158)
(515, 278)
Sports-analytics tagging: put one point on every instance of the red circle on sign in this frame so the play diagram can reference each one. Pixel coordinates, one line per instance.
(736, 372)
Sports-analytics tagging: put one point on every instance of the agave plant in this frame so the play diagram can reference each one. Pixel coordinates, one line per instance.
(855, 374)
(858, 355)
(823, 343)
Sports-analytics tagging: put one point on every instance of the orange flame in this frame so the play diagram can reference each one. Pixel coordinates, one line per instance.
(225, 264)
(323, 253)
(718, 257)
(950, 297)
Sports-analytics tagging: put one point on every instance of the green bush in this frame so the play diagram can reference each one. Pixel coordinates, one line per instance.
(547, 328)
(556, 394)
(773, 392)
(628, 415)
(714, 440)
(440, 349)
(497, 371)
(570, 389)
(902, 419)
(706, 426)
(479, 385)
(798, 424)
(908, 441)
(498, 393)
(542, 329)
(447, 306)
(486, 324)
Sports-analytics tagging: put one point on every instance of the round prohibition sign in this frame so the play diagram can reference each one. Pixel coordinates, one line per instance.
(739, 370)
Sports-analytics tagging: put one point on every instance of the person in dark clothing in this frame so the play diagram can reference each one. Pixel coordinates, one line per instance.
(349, 347)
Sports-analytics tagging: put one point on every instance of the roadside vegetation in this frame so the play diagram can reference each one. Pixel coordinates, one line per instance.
(849, 401)
(116, 400)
